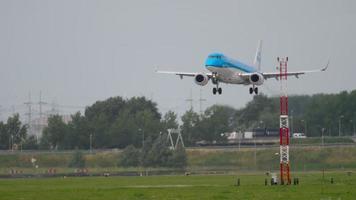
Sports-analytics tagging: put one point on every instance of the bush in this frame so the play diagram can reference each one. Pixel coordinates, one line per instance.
(154, 154)
(160, 155)
(179, 158)
(130, 157)
(31, 143)
(78, 160)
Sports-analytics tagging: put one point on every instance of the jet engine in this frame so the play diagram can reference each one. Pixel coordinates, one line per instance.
(256, 79)
(201, 79)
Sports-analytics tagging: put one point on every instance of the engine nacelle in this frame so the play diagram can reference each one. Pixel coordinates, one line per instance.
(256, 79)
(201, 79)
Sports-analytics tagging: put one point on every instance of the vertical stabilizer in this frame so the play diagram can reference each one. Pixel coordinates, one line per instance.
(257, 60)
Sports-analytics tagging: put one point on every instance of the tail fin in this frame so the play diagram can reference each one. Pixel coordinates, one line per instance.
(257, 60)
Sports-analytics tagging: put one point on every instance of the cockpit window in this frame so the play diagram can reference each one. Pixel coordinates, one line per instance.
(216, 57)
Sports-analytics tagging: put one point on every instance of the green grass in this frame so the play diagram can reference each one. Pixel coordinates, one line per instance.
(302, 158)
(319, 140)
(312, 186)
(203, 159)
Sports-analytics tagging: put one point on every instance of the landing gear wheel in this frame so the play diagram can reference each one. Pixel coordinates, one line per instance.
(256, 90)
(214, 91)
(220, 90)
(251, 90)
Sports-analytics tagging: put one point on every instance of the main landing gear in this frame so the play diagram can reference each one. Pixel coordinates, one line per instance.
(217, 90)
(253, 89)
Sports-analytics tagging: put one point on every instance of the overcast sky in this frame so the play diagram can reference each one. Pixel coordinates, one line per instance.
(79, 51)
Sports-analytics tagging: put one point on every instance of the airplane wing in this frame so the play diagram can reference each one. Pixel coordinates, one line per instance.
(182, 74)
(276, 75)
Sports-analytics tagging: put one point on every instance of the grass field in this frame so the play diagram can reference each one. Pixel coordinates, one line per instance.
(307, 158)
(311, 186)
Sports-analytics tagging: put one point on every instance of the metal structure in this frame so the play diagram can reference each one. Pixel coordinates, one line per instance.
(29, 114)
(201, 102)
(284, 124)
(179, 138)
(190, 99)
(40, 103)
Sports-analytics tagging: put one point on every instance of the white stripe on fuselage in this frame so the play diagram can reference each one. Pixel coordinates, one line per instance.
(228, 75)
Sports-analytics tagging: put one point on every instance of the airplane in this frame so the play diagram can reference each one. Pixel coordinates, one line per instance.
(226, 70)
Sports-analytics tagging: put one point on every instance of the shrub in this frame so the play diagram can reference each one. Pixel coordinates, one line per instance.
(130, 157)
(78, 160)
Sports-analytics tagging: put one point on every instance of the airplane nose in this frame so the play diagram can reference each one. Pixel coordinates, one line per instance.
(210, 62)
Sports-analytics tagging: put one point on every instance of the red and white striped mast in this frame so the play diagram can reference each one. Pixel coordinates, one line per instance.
(284, 124)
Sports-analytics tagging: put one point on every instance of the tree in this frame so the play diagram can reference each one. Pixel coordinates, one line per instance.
(55, 133)
(110, 108)
(124, 131)
(159, 154)
(217, 120)
(116, 122)
(31, 143)
(133, 128)
(78, 132)
(190, 120)
(319, 111)
(170, 121)
(13, 132)
(100, 116)
(4, 136)
(249, 117)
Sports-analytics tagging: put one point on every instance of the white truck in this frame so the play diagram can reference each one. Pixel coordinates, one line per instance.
(299, 135)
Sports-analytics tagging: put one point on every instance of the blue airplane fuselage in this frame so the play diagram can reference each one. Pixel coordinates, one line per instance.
(228, 69)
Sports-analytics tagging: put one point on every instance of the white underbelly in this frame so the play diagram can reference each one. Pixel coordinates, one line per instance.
(228, 75)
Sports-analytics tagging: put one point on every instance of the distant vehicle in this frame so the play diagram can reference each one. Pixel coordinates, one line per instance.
(225, 70)
(299, 135)
(248, 135)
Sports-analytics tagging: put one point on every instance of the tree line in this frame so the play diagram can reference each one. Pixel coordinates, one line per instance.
(155, 153)
(119, 123)
(13, 135)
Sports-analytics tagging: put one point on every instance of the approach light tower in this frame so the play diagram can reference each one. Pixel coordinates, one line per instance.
(284, 124)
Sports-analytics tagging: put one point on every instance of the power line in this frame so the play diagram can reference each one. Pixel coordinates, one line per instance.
(40, 103)
(29, 106)
(70, 106)
(29, 113)
(201, 102)
(190, 99)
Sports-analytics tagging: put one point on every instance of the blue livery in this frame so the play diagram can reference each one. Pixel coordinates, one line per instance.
(221, 61)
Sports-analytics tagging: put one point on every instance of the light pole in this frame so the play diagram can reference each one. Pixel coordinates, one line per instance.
(21, 140)
(12, 142)
(341, 116)
(255, 154)
(261, 123)
(143, 137)
(322, 136)
(91, 142)
(353, 125)
(305, 126)
(291, 122)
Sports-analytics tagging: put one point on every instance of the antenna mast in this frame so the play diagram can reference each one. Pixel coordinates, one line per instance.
(284, 124)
